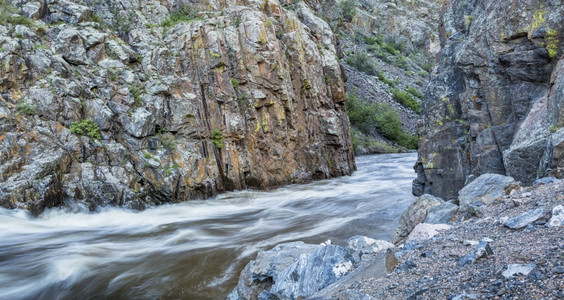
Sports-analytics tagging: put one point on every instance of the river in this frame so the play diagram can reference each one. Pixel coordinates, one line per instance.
(193, 250)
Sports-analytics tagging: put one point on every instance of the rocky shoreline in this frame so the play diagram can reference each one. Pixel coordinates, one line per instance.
(504, 241)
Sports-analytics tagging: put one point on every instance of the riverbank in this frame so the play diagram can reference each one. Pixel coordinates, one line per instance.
(525, 262)
(503, 242)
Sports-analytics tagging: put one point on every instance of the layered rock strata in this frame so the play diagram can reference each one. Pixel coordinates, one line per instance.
(185, 101)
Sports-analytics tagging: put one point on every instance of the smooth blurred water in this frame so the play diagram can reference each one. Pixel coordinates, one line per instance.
(197, 249)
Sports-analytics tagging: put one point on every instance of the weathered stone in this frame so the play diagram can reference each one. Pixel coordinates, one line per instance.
(292, 270)
(441, 214)
(391, 261)
(545, 180)
(425, 231)
(522, 158)
(526, 218)
(368, 245)
(413, 215)
(67, 11)
(518, 269)
(557, 218)
(484, 189)
(484, 250)
(312, 272)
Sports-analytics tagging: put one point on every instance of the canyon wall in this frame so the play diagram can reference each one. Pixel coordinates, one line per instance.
(130, 103)
(494, 104)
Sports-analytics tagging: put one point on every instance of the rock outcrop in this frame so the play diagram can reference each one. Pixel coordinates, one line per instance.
(292, 270)
(494, 104)
(426, 209)
(132, 103)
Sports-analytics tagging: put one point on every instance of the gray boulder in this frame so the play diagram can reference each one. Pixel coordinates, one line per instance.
(312, 272)
(292, 270)
(515, 269)
(441, 214)
(413, 215)
(367, 245)
(557, 218)
(485, 189)
(71, 46)
(522, 158)
(67, 11)
(524, 219)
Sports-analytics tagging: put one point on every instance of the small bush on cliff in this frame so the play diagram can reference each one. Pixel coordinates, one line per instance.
(362, 62)
(217, 138)
(7, 11)
(184, 14)
(26, 109)
(367, 116)
(86, 128)
(405, 99)
(349, 9)
(414, 92)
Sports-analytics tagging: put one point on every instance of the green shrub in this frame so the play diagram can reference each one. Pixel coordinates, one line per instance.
(6, 15)
(405, 99)
(390, 48)
(243, 97)
(235, 83)
(427, 67)
(349, 9)
(21, 20)
(136, 93)
(6, 10)
(362, 62)
(414, 92)
(217, 138)
(26, 109)
(86, 128)
(366, 116)
(373, 40)
(185, 14)
(401, 62)
(95, 18)
(385, 80)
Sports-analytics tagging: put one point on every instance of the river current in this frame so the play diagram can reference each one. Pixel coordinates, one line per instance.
(193, 250)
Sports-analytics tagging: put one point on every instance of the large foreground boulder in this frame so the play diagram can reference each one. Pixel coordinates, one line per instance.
(484, 189)
(292, 270)
(427, 209)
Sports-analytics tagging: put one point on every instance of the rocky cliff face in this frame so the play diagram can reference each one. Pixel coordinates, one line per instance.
(131, 103)
(494, 104)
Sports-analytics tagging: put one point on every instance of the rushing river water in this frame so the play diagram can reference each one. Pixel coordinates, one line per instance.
(193, 250)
